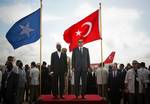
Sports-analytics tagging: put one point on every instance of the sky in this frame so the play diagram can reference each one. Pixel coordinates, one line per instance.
(125, 28)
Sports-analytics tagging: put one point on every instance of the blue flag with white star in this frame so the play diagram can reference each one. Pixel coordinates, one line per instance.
(25, 31)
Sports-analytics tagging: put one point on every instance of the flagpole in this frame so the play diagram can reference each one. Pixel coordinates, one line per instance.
(40, 41)
(100, 28)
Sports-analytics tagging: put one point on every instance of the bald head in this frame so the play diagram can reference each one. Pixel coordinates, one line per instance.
(58, 47)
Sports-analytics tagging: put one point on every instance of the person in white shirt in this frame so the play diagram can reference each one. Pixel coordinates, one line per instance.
(146, 74)
(34, 82)
(134, 84)
(101, 76)
(21, 83)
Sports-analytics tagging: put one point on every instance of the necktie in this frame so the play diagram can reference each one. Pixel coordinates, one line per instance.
(136, 83)
(80, 51)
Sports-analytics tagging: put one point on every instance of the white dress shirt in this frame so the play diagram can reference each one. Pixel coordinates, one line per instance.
(146, 74)
(101, 75)
(34, 75)
(59, 54)
(130, 80)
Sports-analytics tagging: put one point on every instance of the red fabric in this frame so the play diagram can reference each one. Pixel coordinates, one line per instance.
(88, 31)
(70, 99)
(110, 58)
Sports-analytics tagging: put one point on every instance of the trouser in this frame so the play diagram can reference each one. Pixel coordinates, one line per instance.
(20, 95)
(9, 99)
(69, 86)
(147, 94)
(66, 85)
(83, 75)
(135, 98)
(115, 101)
(72, 89)
(58, 84)
(26, 92)
(102, 90)
(115, 96)
(125, 98)
(34, 92)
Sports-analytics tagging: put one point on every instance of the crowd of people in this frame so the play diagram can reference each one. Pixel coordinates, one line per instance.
(122, 84)
(21, 83)
(18, 82)
(117, 83)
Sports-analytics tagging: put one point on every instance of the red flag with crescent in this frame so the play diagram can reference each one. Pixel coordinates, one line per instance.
(110, 58)
(87, 29)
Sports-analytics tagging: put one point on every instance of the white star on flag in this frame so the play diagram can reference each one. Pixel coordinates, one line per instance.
(26, 30)
(78, 33)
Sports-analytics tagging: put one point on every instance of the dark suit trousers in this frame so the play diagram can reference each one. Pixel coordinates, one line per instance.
(58, 83)
(115, 97)
(135, 98)
(83, 75)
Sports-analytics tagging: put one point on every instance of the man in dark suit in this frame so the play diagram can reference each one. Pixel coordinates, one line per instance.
(80, 65)
(9, 84)
(58, 70)
(123, 73)
(115, 85)
(91, 82)
(45, 79)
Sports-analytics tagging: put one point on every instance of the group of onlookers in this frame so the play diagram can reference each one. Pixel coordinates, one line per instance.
(129, 85)
(17, 81)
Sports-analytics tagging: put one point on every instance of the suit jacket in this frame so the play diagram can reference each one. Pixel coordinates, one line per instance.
(9, 90)
(58, 65)
(123, 73)
(91, 83)
(91, 79)
(80, 60)
(115, 83)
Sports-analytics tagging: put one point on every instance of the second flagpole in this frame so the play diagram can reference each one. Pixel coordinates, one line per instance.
(41, 5)
(100, 29)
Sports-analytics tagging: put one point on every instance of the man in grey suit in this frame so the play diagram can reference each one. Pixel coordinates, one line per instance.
(80, 65)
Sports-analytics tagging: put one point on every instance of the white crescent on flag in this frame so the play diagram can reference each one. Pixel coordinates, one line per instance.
(89, 30)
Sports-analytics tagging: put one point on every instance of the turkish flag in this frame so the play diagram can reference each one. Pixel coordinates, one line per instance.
(86, 29)
(110, 58)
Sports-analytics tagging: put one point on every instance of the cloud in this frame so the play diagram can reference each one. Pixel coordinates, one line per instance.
(83, 9)
(12, 13)
(51, 18)
(120, 33)
(119, 25)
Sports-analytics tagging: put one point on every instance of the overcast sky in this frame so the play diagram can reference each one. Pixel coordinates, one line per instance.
(125, 28)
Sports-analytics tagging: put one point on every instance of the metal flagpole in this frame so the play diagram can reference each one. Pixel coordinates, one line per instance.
(40, 41)
(100, 29)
